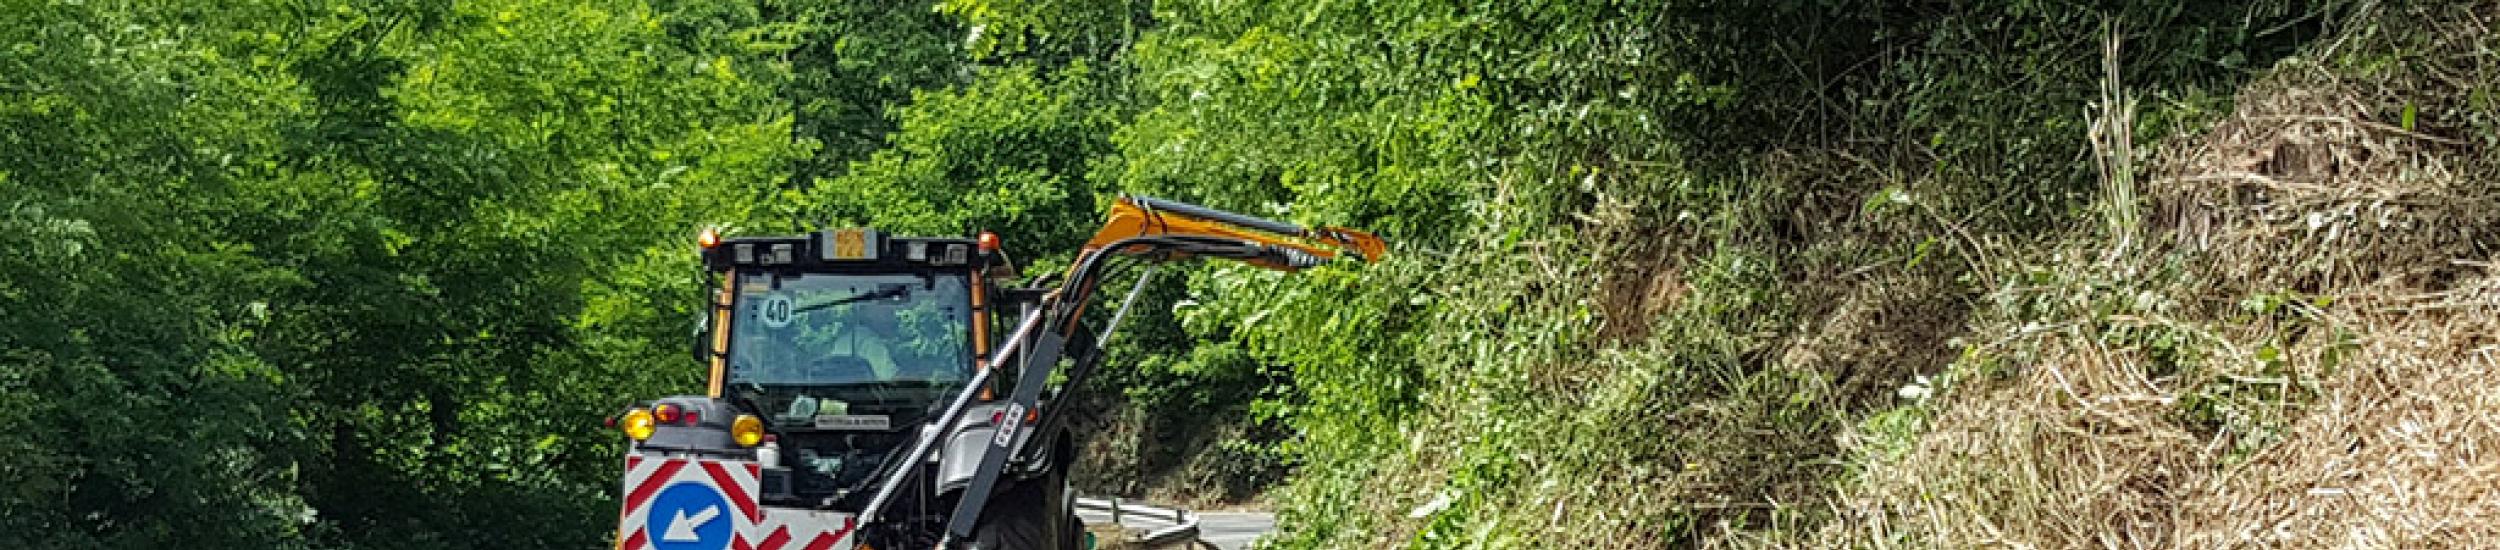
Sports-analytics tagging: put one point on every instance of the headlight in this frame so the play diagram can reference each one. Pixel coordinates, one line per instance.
(747, 430)
(637, 424)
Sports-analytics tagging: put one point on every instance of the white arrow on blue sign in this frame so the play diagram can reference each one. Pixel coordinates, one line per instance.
(687, 516)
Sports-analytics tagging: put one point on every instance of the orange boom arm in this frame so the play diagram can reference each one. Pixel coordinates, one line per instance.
(1295, 247)
(1140, 230)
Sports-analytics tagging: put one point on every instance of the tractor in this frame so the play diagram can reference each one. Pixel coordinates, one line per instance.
(886, 392)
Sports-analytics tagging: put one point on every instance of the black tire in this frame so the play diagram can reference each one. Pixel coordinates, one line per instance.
(1032, 514)
(1076, 533)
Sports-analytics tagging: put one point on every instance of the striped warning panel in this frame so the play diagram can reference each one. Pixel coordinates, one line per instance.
(795, 529)
(733, 482)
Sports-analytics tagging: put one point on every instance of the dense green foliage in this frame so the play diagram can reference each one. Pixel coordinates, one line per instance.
(366, 273)
(299, 274)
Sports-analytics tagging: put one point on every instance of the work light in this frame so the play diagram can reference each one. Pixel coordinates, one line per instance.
(637, 424)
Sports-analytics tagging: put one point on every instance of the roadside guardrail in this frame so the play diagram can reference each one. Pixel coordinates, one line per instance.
(1184, 524)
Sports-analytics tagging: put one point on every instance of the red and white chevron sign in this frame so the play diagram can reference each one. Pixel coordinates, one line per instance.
(751, 527)
(731, 483)
(791, 529)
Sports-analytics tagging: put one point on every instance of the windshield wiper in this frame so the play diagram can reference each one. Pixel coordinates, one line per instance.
(894, 291)
(879, 385)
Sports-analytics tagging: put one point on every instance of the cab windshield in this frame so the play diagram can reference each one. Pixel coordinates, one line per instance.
(804, 345)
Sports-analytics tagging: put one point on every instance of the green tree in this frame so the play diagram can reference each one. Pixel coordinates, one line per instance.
(355, 274)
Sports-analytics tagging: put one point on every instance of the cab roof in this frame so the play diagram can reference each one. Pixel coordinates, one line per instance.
(844, 249)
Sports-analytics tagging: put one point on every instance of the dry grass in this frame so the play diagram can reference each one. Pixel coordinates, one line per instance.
(2302, 355)
(2402, 451)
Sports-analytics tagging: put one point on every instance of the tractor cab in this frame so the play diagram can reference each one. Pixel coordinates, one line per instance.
(832, 357)
(843, 343)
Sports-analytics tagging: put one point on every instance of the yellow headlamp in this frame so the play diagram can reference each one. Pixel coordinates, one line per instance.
(747, 430)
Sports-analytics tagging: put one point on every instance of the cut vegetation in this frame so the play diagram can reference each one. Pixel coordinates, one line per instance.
(2301, 354)
(2261, 314)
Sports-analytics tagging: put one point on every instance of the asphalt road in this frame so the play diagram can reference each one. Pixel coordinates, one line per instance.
(1227, 530)
(1234, 530)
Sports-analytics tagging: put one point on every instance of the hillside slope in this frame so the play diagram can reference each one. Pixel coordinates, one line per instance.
(2299, 354)
(2263, 316)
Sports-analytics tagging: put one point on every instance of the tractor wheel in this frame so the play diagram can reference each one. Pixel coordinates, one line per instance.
(1076, 534)
(1030, 515)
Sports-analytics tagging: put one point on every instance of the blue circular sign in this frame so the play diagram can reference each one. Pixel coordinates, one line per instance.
(689, 516)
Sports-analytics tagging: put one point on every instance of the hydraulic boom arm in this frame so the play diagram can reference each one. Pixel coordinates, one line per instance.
(1289, 247)
(1139, 229)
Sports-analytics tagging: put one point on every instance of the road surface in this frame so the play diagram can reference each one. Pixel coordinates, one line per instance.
(1227, 530)
(1234, 530)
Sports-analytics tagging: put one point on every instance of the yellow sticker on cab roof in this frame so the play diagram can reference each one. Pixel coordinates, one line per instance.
(850, 244)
